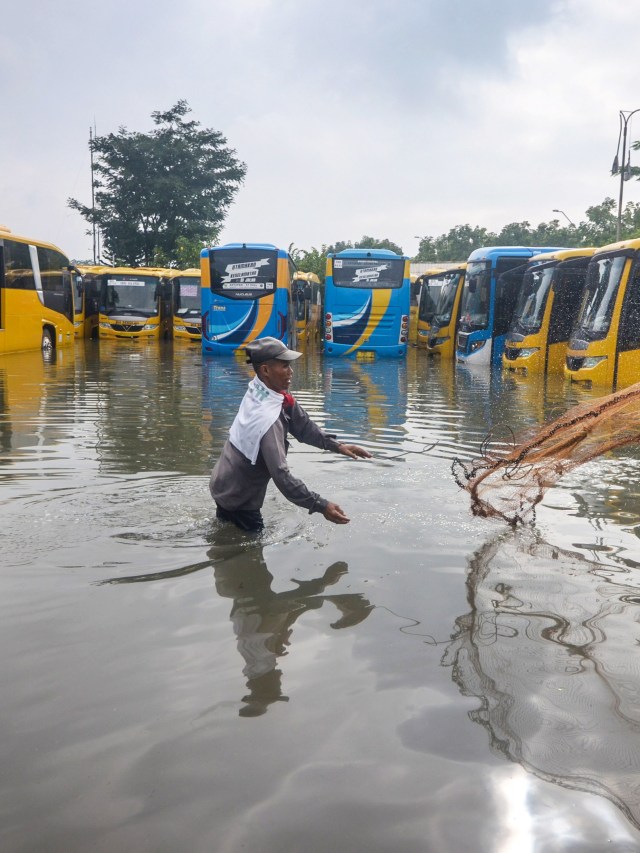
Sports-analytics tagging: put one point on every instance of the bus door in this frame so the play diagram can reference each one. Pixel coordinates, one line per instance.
(627, 370)
(567, 288)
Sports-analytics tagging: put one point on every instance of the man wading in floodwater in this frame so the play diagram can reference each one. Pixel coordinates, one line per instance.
(256, 450)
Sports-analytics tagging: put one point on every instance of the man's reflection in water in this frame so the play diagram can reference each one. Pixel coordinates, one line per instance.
(550, 648)
(263, 619)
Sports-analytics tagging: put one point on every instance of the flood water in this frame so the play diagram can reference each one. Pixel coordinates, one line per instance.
(417, 680)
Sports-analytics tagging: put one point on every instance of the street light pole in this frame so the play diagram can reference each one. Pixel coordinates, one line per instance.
(557, 210)
(621, 165)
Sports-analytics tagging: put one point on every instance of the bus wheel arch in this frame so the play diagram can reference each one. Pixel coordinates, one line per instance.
(48, 339)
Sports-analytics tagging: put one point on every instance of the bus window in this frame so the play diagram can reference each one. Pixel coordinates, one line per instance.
(603, 280)
(629, 334)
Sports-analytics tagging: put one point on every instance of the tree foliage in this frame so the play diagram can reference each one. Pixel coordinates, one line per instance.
(161, 196)
(597, 229)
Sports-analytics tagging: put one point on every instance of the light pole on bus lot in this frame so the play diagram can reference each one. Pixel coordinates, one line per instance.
(557, 210)
(623, 165)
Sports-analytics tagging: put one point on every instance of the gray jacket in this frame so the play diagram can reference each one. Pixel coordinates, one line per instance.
(237, 484)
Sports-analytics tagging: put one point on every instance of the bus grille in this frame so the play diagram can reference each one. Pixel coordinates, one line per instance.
(574, 363)
(127, 327)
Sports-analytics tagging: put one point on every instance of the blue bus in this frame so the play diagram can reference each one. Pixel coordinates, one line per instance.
(489, 296)
(367, 296)
(246, 294)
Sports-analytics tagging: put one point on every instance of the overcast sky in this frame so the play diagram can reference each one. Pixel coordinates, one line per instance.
(392, 118)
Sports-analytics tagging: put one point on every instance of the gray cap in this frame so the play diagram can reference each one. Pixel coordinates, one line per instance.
(265, 349)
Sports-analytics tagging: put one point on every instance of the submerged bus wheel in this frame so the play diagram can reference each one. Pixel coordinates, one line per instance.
(47, 342)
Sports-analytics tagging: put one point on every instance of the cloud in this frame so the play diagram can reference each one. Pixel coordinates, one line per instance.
(396, 119)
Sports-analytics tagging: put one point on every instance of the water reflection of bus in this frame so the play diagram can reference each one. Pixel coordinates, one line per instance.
(367, 399)
(36, 297)
(548, 303)
(34, 384)
(367, 295)
(246, 294)
(186, 307)
(488, 300)
(305, 295)
(133, 302)
(441, 339)
(604, 347)
(85, 302)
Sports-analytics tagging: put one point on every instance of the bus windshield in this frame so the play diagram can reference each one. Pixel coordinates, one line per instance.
(429, 294)
(603, 280)
(444, 306)
(187, 296)
(369, 273)
(243, 273)
(529, 311)
(124, 294)
(476, 296)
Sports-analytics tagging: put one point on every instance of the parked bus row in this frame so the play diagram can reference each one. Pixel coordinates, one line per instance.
(544, 310)
(536, 310)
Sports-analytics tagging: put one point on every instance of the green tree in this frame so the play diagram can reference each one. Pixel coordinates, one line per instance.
(311, 260)
(161, 196)
(374, 243)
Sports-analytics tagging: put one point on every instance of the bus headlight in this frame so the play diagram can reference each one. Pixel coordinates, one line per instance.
(438, 342)
(178, 328)
(593, 360)
(526, 352)
(104, 325)
(149, 327)
(77, 323)
(476, 345)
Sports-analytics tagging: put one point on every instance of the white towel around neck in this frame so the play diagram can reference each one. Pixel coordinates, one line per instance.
(259, 410)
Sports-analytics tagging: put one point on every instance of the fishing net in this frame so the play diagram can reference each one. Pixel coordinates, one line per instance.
(509, 483)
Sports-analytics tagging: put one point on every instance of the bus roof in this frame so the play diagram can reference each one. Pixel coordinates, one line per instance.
(488, 253)
(104, 270)
(306, 276)
(564, 254)
(634, 245)
(266, 247)
(7, 234)
(192, 272)
(366, 253)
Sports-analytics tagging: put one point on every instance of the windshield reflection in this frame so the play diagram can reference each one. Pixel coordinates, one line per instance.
(532, 301)
(603, 280)
(476, 294)
(444, 306)
(126, 296)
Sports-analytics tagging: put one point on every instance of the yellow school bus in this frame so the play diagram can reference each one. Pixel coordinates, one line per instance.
(305, 292)
(85, 302)
(604, 347)
(133, 302)
(425, 290)
(440, 338)
(186, 304)
(549, 299)
(36, 297)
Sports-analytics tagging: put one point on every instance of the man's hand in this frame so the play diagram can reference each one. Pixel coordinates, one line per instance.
(335, 514)
(353, 451)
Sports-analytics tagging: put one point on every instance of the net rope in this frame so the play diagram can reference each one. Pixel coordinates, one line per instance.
(510, 483)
